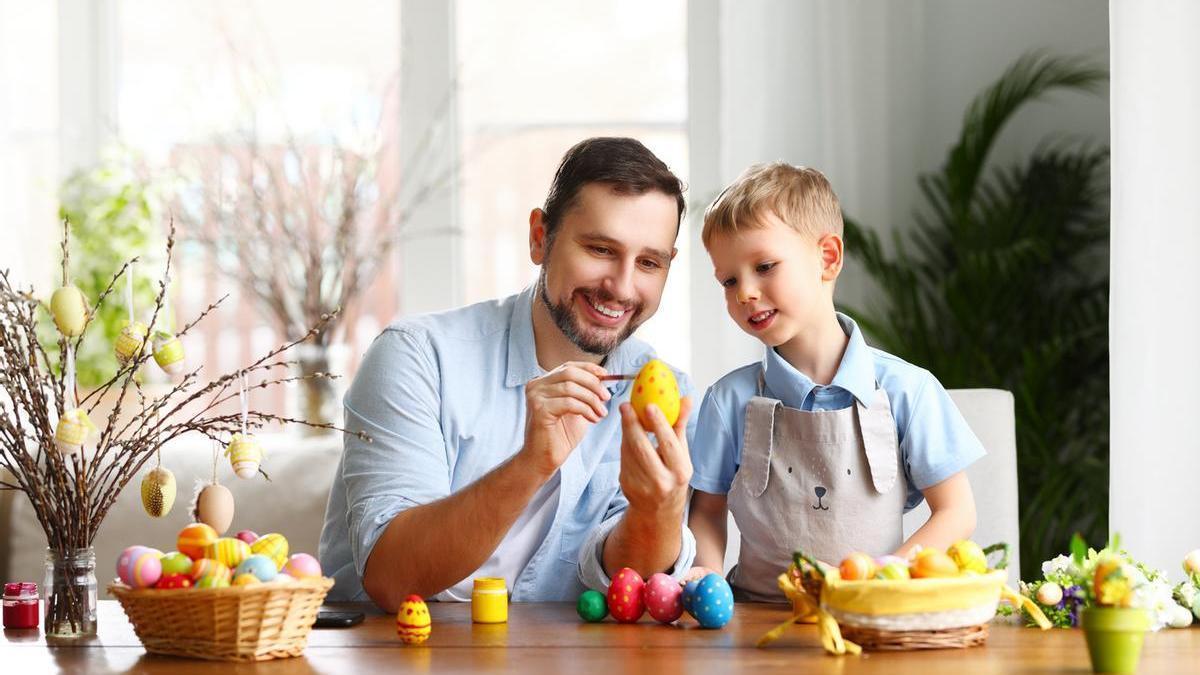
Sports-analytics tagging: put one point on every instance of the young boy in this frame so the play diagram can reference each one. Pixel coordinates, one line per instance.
(824, 444)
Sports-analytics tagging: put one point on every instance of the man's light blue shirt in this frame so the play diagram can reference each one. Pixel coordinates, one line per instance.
(935, 441)
(443, 398)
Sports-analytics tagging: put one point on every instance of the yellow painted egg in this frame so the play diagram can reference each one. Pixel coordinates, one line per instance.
(168, 353)
(130, 342)
(158, 492)
(228, 551)
(214, 507)
(245, 454)
(73, 431)
(413, 624)
(274, 546)
(246, 580)
(968, 556)
(931, 563)
(70, 310)
(655, 383)
(206, 567)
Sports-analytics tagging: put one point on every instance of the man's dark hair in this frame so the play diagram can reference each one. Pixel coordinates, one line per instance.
(624, 164)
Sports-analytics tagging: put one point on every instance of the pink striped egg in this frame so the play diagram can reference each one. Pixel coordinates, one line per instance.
(139, 566)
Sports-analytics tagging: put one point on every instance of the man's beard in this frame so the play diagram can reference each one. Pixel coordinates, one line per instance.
(570, 325)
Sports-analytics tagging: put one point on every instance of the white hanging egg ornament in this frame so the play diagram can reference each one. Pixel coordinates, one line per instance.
(214, 507)
(130, 342)
(70, 310)
(158, 492)
(73, 431)
(168, 352)
(245, 454)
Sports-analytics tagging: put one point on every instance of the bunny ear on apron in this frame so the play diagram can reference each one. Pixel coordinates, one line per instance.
(880, 441)
(760, 432)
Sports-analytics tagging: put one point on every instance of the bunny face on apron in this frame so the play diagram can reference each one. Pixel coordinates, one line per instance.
(825, 482)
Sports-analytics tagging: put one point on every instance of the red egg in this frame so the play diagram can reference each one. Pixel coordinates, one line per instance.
(625, 600)
(664, 598)
(170, 581)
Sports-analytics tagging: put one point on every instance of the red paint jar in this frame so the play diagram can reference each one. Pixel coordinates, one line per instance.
(21, 605)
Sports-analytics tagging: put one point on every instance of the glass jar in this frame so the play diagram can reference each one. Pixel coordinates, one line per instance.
(69, 593)
(20, 605)
(489, 600)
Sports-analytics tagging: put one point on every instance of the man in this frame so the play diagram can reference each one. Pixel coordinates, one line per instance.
(497, 450)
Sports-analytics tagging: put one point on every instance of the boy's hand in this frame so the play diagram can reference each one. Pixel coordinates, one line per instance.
(655, 479)
(698, 572)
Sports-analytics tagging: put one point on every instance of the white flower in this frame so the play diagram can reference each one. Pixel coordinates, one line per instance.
(1157, 598)
(1059, 564)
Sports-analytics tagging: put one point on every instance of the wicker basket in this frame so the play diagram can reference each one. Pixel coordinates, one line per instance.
(237, 623)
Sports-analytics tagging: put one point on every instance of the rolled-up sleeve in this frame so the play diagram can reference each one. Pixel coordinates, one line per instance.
(394, 399)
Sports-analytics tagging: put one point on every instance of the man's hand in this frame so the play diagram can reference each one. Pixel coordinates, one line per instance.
(655, 480)
(559, 408)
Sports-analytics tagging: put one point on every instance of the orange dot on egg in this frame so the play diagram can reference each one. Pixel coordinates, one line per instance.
(639, 389)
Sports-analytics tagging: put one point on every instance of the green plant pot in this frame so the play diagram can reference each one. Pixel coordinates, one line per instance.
(1114, 637)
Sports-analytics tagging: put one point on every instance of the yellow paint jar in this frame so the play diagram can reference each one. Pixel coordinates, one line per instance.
(489, 601)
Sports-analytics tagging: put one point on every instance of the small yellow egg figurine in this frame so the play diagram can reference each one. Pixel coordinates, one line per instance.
(168, 353)
(130, 342)
(73, 431)
(158, 492)
(968, 556)
(655, 383)
(245, 454)
(412, 621)
(70, 310)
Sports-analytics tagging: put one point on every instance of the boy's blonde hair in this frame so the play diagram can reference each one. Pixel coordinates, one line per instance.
(800, 197)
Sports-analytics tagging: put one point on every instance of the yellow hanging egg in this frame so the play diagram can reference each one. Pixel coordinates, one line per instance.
(73, 431)
(214, 507)
(168, 353)
(245, 454)
(655, 383)
(70, 310)
(228, 551)
(158, 492)
(413, 624)
(968, 556)
(130, 342)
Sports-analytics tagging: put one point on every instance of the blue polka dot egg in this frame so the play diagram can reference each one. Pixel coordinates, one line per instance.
(710, 601)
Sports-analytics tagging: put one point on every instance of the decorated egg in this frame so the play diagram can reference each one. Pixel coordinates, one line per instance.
(70, 310)
(262, 567)
(272, 545)
(158, 492)
(168, 353)
(212, 581)
(592, 607)
(413, 624)
(207, 567)
(228, 551)
(174, 581)
(245, 580)
(245, 454)
(712, 604)
(1178, 616)
(1191, 562)
(194, 538)
(893, 571)
(247, 536)
(176, 563)
(1112, 583)
(214, 506)
(139, 567)
(967, 555)
(302, 566)
(130, 342)
(931, 563)
(655, 383)
(1049, 594)
(689, 595)
(663, 597)
(857, 566)
(73, 431)
(625, 601)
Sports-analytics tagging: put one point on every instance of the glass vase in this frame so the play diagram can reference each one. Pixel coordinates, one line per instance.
(69, 593)
(319, 400)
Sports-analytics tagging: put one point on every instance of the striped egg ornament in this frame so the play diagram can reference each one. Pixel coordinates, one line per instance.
(205, 568)
(228, 551)
(245, 454)
(194, 538)
(272, 545)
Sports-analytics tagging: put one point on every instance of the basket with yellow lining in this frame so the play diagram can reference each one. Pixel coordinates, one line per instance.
(873, 613)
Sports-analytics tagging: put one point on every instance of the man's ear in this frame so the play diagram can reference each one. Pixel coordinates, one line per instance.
(831, 248)
(537, 236)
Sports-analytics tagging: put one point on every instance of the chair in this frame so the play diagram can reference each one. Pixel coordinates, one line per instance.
(990, 414)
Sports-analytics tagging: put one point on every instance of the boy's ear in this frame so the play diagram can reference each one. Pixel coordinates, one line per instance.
(831, 248)
(537, 236)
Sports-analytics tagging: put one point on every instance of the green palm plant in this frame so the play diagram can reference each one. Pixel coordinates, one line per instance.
(1002, 281)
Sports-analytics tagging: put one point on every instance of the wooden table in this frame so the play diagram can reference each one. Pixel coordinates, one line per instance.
(550, 638)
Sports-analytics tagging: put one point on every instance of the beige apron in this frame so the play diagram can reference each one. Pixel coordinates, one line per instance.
(826, 482)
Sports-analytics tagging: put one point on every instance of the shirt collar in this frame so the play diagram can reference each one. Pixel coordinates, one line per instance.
(855, 373)
(522, 350)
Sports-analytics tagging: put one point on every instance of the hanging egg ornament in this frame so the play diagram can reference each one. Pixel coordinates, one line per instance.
(158, 492)
(70, 310)
(245, 454)
(194, 538)
(73, 431)
(214, 506)
(130, 342)
(168, 353)
(655, 383)
(274, 546)
(413, 624)
(625, 596)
